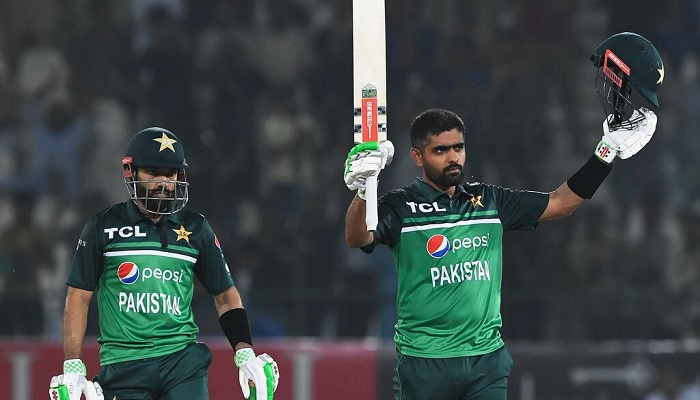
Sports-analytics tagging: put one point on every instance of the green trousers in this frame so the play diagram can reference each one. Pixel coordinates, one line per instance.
(482, 377)
(178, 376)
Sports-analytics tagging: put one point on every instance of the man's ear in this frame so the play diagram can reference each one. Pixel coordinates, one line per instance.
(417, 157)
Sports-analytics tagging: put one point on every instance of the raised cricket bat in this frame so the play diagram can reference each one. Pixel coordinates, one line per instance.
(369, 85)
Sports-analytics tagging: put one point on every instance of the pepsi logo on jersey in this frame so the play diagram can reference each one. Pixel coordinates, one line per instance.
(128, 273)
(438, 245)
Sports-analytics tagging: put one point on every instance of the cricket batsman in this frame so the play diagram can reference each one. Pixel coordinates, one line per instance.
(446, 235)
(140, 258)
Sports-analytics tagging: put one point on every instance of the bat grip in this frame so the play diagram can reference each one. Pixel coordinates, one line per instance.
(371, 215)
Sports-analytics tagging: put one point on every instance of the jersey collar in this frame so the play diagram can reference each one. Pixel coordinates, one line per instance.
(431, 193)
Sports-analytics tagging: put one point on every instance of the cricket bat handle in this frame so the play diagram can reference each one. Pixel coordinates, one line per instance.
(371, 216)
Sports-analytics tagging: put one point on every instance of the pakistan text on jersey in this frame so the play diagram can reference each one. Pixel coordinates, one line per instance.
(149, 303)
(460, 272)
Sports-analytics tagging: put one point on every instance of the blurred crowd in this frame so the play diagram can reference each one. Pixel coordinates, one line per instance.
(260, 93)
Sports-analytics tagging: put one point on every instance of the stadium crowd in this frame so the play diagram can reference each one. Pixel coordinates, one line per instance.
(260, 92)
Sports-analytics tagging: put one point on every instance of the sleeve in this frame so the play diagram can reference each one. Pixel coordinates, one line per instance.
(211, 268)
(520, 210)
(88, 263)
(389, 225)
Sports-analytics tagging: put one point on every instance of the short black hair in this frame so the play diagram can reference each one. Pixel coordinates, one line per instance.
(432, 122)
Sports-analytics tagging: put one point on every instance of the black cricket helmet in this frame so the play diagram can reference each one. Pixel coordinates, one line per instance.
(156, 148)
(626, 61)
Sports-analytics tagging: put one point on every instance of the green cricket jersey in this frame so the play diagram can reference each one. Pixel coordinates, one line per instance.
(144, 289)
(448, 257)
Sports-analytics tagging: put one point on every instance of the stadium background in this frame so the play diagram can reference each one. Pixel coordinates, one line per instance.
(602, 305)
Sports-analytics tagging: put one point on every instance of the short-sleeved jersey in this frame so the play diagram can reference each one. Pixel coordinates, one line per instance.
(448, 257)
(144, 289)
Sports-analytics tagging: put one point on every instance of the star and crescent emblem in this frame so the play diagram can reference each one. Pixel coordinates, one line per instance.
(165, 142)
(476, 201)
(661, 75)
(182, 233)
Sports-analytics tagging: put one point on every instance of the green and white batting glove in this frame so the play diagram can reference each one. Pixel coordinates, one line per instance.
(258, 376)
(628, 138)
(72, 384)
(365, 160)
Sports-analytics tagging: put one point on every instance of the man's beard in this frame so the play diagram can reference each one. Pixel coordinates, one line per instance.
(157, 200)
(445, 178)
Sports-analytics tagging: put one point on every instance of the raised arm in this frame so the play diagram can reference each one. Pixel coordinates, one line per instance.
(364, 160)
(356, 233)
(562, 202)
(624, 141)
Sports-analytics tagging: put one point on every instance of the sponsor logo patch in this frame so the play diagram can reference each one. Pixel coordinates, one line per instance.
(128, 273)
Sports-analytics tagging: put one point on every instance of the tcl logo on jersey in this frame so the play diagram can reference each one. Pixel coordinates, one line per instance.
(124, 231)
(424, 207)
(438, 245)
(129, 273)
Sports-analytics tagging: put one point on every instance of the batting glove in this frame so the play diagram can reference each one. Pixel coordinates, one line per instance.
(258, 376)
(72, 384)
(628, 138)
(365, 160)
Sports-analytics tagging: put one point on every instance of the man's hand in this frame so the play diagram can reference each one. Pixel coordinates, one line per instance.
(72, 384)
(629, 138)
(365, 160)
(258, 376)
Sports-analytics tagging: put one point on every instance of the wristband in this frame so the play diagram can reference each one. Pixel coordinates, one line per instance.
(589, 177)
(74, 366)
(235, 325)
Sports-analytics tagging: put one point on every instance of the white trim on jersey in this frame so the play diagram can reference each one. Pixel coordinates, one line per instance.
(450, 224)
(150, 253)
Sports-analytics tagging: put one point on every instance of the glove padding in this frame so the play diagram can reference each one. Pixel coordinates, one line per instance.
(261, 371)
(626, 140)
(72, 384)
(365, 160)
